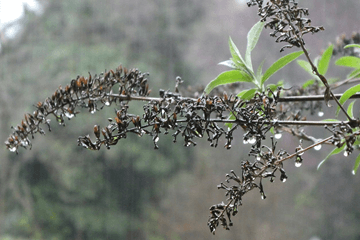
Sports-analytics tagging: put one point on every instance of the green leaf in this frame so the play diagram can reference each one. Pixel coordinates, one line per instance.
(272, 130)
(330, 120)
(306, 66)
(348, 61)
(308, 83)
(252, 39)
(357, 142)
(235, 53)
(259, 70)
(333, 152)
(280, 63)
(325, 60)
(355, 73)
(350, 111)
(273, 87)
(352, 45)
(316, 61)
(357, 164)
(228, 63)
(347, 94)
(242, 93)
(247, 94)
(231, 76)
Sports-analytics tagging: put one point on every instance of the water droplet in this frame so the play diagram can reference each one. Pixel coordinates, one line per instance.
(318, 147)
(298, 164)
(353, 172)
(93, 111)
(107, 103)
(188, 144)
(346, 154)
(263, 195)
(69, 115)
(12, 149)
(320, 114)
(252, 140)
(245, 142)
(284, 179)
(156, 139)
(24, 143)
(278, 135)
(258, 158)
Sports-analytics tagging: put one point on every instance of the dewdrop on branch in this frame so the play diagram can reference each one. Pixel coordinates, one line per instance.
(317, 147)
(298, 161)
(278, 135)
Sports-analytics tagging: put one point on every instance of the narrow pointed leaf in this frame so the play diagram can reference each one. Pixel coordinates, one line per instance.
(348, 61)
(352, 45)
(282, 62)
(247, 94)
(235, 53)
(306, 66)
(259, 70)
(308, 83)
(228, 63)
(252, 39)
(333, 152)
(330, 120)
(273, 87)
(355, 73)
(242, 93)
(325, 60)
(357, 142)
(350, 111)
(316, 61)
(347, 94)
(231, 76)
(357, 164)
(272, 130)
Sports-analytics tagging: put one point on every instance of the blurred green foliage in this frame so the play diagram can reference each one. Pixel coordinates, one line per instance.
(73, 193)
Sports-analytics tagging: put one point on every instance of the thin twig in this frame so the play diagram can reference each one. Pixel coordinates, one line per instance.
(312, 98)
(343, 82)
(322, 78)
(304, 150)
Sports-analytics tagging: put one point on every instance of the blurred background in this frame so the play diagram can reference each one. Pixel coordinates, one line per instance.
(58, 190)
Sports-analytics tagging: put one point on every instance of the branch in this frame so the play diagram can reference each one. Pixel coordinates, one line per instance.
(313, 98)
